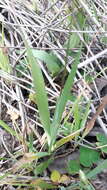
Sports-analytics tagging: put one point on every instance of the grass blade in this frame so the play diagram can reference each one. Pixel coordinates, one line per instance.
(66, 139)
(41, 96)
(4, 58)
(98, 169)
(61, 103)
(10, 130)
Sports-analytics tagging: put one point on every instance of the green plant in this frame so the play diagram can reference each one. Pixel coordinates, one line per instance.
(73, 166)
(54, 31)
(88, 156)
(51, 129)
(52, 62)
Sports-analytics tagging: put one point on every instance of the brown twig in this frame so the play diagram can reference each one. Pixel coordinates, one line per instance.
(90, 124)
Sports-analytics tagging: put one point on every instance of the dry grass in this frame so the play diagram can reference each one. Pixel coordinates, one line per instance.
(47, 26)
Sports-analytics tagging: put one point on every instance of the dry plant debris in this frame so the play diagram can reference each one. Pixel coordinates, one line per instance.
(55, 31)
(91, 123)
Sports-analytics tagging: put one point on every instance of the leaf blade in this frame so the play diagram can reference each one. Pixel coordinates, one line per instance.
(51, 60)
(41, 96)
(61, 103)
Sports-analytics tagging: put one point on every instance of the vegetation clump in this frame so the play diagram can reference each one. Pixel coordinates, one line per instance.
(53, 86)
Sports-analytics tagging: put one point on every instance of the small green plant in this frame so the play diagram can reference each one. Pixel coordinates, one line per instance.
(55, 31)
(50, 128)
(52, 62)
(85, 160)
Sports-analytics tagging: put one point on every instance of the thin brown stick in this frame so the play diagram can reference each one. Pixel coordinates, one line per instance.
(91, 123)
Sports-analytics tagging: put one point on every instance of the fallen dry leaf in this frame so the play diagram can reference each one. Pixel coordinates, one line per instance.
(65, 179)
(90, 124)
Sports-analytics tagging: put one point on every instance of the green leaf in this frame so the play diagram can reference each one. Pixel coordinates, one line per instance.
(77, 113)
(98, 169)
(88, 156)
(42, 184)
(74, 40)
(22, 66)
(41, 154)
(62, 100)
(102, 141)
(67, 128)
(66, 139)
(55, 176)
(41, 167)
(83, 177)
(4, 59)
(81, 19)
(73, 166)
(71, 97)
(41, 96)
(52, 62)
(9, 129)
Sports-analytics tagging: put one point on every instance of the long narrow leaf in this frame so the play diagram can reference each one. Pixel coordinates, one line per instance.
(41, 96)
(4, 58)
(64, 140)
(9, 130)
(98, 169)
(61, 103)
